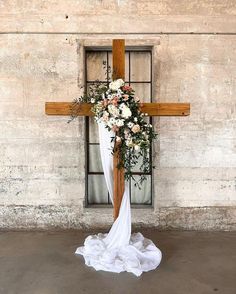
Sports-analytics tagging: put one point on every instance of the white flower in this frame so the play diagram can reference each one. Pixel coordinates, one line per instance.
(135, 119)
(115, 85)
(118, 139)
(119, 93)
(113, 110)
(130, 125)
(92, 100)
(125, 111)
(112, 121)
(136, 147)
(121, 82)
(120, 122)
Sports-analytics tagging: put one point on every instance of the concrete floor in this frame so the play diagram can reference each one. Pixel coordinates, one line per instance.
(44, 263)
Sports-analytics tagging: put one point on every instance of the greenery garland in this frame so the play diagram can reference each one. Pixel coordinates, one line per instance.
(116, 106)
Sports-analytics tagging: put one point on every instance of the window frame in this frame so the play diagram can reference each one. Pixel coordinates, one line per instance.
(108, 50)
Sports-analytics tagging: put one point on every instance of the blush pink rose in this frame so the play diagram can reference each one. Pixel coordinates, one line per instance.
(135, 129)
(105, 102)
(127, 88)
(126, 97)
(114, 101)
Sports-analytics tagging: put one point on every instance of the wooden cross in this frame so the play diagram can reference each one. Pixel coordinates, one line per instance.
(152, 109)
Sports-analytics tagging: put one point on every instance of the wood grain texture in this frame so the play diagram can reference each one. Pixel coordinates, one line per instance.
(118, 182)
(152, 109)
(66, 108)
(118, 54)
(166, 109)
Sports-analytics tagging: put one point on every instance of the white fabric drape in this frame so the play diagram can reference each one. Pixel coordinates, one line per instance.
(118, 250)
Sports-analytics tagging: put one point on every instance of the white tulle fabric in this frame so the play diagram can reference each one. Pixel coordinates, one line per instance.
(118, 250)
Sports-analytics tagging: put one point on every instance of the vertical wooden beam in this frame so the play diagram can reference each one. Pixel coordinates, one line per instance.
(118, 52)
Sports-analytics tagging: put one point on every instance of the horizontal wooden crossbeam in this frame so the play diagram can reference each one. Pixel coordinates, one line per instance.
(152, 109)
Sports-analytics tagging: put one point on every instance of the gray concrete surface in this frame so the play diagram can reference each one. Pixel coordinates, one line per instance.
(44, 263)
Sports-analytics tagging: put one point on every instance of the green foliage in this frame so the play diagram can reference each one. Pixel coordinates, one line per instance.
(116, 106)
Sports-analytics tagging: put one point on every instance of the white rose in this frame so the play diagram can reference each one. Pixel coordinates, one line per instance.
(120, 82)
(92, 100)
(126, 111)
(136, 147)
(115, 85)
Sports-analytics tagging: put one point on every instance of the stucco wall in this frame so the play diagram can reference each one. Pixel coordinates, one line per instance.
(42, 157)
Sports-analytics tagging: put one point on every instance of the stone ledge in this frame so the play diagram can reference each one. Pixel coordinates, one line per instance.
(75, 217)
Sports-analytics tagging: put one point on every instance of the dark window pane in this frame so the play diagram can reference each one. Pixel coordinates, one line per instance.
(138, 165)
(95, 164)
(93, 131)
(140, 63)
(95, 68)
(143, 91)
(97, 190)
(142, 196)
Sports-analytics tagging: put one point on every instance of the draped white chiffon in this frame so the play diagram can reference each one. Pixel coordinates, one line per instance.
(118, 250)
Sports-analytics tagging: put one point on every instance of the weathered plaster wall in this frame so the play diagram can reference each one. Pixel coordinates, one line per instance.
(42, 158)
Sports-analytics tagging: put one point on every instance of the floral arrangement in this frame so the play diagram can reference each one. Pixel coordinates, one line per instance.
(118, 108)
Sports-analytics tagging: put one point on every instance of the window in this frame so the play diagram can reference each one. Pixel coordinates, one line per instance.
(138, 74)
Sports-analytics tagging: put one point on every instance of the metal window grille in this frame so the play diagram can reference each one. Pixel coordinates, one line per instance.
(95, 183)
